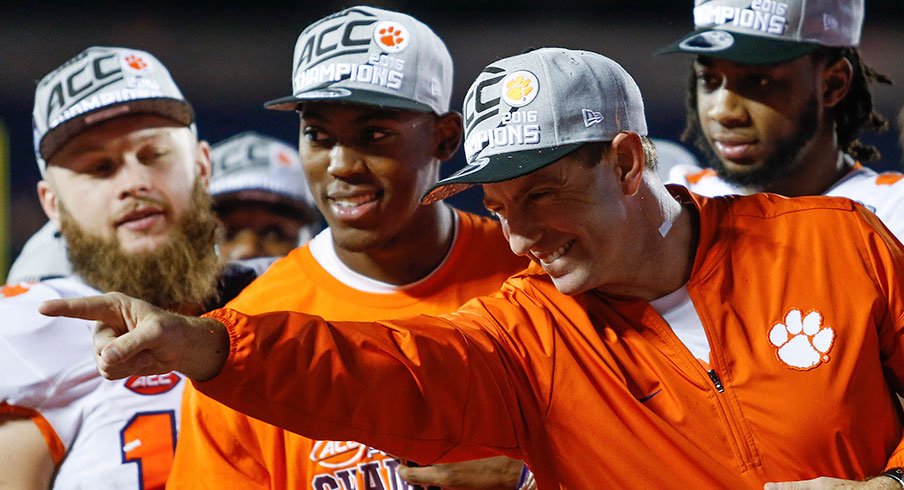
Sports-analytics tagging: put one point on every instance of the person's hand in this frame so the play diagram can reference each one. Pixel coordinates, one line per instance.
(133, 337)
(826, 483)
(499, 473)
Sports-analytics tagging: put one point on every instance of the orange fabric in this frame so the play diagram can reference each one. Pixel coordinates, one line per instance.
(54, 444)
(598, 393)
(220, 448)
(889, 178)
(695, 177)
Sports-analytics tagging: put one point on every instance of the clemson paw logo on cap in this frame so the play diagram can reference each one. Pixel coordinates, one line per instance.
(391, 37)
(135, 63)
(520, 88)
(802, 342)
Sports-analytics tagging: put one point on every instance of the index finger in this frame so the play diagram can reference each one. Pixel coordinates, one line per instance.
(102, 308)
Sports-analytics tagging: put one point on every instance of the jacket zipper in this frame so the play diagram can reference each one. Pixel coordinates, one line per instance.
(716, 381)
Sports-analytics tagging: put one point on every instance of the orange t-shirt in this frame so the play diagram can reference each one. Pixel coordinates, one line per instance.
(220, 448)
(802, 303)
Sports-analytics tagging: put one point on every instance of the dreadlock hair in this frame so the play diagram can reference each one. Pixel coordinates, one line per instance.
(853, 115)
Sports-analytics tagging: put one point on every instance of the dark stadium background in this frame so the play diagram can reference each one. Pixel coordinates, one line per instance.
(229, 58)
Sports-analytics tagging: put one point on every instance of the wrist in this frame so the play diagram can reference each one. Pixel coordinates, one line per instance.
(208, 348)
(893, 478)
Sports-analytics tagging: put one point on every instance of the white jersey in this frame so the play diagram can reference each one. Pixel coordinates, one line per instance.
(882, 193)
(102, 434)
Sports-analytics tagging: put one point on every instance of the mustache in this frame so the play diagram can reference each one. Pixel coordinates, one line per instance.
(140, 204)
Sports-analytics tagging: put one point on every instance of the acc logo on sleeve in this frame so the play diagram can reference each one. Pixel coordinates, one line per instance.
(154, 384)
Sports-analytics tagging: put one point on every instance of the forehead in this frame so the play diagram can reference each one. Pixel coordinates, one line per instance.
(559, 172)
(122, 132)
(328, 111)
(797, 65)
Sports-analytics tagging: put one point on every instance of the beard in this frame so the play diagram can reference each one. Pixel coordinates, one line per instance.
(181, 274)
(781, 163)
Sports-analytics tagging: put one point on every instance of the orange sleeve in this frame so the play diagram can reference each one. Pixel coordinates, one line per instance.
(352, 380)
(216, 448)
(887, 256)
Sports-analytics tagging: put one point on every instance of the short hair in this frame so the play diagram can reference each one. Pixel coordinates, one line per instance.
(591, 153)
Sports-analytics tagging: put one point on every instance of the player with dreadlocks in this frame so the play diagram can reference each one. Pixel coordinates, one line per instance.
(779, 106)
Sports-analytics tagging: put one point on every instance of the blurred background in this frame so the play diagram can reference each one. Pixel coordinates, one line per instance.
(228, 60)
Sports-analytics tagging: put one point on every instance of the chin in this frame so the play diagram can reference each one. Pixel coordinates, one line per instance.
(142, 245)
(570, 285)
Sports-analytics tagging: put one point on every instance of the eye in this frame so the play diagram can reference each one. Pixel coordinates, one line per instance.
(375, 134)
(101, 168)
(708, 81)
(538, 194)
(153, 153)
(315, 134)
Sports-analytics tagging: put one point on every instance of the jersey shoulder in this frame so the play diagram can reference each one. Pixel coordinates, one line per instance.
(38, 353)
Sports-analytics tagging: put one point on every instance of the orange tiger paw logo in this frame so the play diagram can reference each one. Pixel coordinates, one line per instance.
(392, 37)
(135, 62)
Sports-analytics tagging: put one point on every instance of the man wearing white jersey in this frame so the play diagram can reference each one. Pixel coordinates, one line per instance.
(124, 180)
(778, 106)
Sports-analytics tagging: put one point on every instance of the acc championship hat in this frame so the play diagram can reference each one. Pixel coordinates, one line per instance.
(770, 31)
(251, 162)
(101, 83)
(525, 112)
(370, 56)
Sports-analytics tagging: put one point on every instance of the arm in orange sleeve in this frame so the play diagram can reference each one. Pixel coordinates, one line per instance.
(421, 388)
(887, 255)
(216, 449)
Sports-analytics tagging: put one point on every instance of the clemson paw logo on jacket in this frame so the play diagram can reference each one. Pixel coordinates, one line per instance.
(802, 342)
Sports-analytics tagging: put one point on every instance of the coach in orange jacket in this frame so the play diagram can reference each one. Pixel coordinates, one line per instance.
(659, 339)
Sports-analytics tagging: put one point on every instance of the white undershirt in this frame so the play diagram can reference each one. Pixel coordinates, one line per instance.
(324, 251)
(678, 311)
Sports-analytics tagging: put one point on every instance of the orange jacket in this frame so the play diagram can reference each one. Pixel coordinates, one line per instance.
(220, 448)
(598, 393)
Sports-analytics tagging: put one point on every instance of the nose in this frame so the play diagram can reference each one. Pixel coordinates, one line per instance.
(727, 108)
(134, 176)
(244, 245)
(345, 161)
(520, 233)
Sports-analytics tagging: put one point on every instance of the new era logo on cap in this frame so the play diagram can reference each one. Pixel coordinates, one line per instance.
(770, 31)
(98, 84)
(591, 117)
(525, 112)
(371, 56)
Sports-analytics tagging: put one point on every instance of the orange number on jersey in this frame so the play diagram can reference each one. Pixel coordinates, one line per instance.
(149, 440)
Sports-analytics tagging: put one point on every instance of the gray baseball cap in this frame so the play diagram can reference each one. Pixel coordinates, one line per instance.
(770, 31)
(253, 162)
(98, 84)
(370, 56)
(527, 111)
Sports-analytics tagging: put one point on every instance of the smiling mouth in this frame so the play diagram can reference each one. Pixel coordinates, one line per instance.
(354, 201)
(549, 259)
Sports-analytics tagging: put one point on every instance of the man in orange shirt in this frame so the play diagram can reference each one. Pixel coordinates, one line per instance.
(659, 339)
(369, 150)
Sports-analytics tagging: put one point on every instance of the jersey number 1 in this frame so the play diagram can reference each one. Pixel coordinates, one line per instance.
(149, 441)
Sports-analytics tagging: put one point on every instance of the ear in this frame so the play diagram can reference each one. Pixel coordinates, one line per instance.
(836, 81)
(49, 201)
(202, 160)
(630, 161)
(447, 134)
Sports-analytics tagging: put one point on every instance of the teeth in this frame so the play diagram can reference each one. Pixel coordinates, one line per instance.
(549, 259)
(350, 202)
